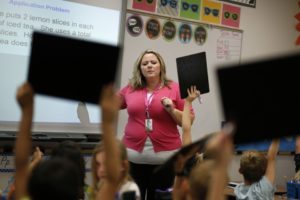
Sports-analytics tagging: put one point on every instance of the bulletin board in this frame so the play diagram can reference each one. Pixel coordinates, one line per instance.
(165, 35)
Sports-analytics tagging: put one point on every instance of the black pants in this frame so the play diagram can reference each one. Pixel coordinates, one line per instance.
(148, 182)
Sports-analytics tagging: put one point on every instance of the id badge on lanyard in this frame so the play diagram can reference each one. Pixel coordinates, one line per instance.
(148, 125)
(148, 120)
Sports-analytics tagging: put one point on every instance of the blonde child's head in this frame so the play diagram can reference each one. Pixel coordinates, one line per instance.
(253, 165)
(200, 179)
(99, 149)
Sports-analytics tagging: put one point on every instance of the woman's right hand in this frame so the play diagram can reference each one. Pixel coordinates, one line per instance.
(167, 103)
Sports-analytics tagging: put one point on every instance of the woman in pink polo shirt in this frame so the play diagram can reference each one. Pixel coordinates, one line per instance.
(154, 110)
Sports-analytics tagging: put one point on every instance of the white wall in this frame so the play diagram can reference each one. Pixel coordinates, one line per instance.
(268, 30)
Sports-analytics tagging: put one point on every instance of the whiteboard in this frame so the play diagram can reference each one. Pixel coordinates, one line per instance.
(222, 46)
(81, 19)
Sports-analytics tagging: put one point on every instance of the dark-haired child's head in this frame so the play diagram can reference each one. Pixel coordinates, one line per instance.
(70, 150)
(56, 178)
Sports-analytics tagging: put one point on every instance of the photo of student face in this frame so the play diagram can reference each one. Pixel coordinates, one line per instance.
(134, 25)
(185, 33)
(152, 28)
(200, 35)
(169, 31)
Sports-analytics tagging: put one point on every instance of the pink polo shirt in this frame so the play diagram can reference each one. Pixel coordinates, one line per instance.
(165, 135)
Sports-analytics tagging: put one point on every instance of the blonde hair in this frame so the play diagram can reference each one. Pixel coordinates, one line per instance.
(99, 149)
(297, 176)
(138, 80)
(200, 178)
(253, 165)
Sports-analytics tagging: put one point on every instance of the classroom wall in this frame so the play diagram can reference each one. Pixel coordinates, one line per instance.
(268, 30)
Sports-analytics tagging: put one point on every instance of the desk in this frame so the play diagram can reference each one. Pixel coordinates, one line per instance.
(280, 193)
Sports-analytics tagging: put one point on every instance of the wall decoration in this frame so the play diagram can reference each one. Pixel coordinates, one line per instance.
(146, 5)
(169, 31)
(231, 15)
(229, 45)
(297, 16)
(168, 7)
(185, 33)
(134, 25)
(211, 11)
(248, 3)
(200, 35)
(152, 28)
(190, 9)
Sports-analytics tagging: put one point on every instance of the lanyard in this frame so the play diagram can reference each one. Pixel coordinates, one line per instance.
(148, 100)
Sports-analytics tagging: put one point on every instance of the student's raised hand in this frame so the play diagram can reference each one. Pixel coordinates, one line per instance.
(182, 158)
(25, 95)
(36, 158)
(110, 103)
(220, 147)
(193, 93)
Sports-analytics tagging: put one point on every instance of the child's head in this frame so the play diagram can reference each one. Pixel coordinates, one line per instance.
(72, 152)
(98, 159)
(253, 165)
(200, 178)
(56, 178)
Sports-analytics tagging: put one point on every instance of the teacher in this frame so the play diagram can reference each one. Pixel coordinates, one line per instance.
(154, 110)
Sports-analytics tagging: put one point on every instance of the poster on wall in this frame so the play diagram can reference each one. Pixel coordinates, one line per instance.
(152, 28)
(134, 25)
(190, 9)
(169, 31)
(297, 16)
(185, 33)
(211, 12)
(200, 35)
(168, 7)
(231, 15)
(248, 3)
(146, 5)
